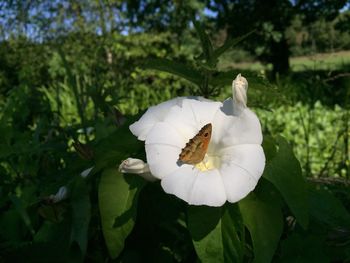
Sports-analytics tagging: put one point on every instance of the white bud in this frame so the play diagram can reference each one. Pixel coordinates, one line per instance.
(136, 166)
(86, 172)
(239, 91)
(60, 195)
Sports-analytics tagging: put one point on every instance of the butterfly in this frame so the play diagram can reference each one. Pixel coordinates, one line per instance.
(197, 147)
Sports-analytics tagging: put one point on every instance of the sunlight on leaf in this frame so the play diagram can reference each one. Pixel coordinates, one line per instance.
(216, 233)
(262, 215)
(284, 172)
(117, 196)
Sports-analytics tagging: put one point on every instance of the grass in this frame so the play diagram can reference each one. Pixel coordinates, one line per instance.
(325, 61)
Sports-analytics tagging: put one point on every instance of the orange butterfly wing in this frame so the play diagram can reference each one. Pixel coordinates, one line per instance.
(197, 147)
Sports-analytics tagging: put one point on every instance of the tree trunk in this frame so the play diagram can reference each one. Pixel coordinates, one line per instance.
(280, 57)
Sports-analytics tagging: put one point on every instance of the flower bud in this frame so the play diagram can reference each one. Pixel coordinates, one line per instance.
(239, 90)
(60, 195)
(136, 166)
(86, 172)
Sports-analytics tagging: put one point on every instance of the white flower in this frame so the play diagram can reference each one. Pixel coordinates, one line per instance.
(234, 161)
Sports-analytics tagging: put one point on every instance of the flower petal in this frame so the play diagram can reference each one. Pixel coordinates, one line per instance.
(192, 116)
(232, 130)
(162, 149)
(195, 187)
(208, 189)
(162, 159)
(180, 182)
(250, 157)
(166, 134)
(237, 181)
(155, 114)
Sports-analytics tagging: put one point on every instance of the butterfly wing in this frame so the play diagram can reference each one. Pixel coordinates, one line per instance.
(197, 147)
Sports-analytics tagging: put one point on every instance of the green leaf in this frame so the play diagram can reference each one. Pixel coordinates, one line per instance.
(205, 228)
(81, 211)
(205, 41)
(117, 196)
(175, 68)
(232, 233)
(230, 43)
(216, 233)
(269, 145)
(328, 209)
(262, 215)
(284, 172)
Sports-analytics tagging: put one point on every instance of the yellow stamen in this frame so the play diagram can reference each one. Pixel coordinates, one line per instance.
(208, 163)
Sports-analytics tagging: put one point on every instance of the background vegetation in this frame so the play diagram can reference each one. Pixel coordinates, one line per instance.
(81, 71)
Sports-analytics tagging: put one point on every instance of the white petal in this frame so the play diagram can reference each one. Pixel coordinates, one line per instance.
(162, 159)
(208, 189)
(203, 111)
(166, 134)
(237, 181)
(250, 157)
(232, 130)
(163, 146)
(180, 182)
(192, 116)
(153, 115)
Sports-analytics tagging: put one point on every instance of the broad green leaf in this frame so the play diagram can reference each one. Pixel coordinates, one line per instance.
(205, 228)
(175, 68)
(81, 211)
(262, 215)
(232, 233)
(205, 41)
(216, 233)
(230, 43)
(328, 209)
(54, 233)
(117, 196)
(269, 145)
(284, 172)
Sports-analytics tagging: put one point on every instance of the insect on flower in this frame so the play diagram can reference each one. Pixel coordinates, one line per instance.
(197, 147)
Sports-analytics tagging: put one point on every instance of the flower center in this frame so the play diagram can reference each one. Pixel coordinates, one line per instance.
(208, 163)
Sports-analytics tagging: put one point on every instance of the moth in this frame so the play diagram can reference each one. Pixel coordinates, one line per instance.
(197, 147)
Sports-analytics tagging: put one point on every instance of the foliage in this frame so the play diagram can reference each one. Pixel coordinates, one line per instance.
(275, 24)
(66, 104)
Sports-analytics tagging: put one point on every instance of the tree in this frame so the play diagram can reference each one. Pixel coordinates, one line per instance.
(270, 19)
